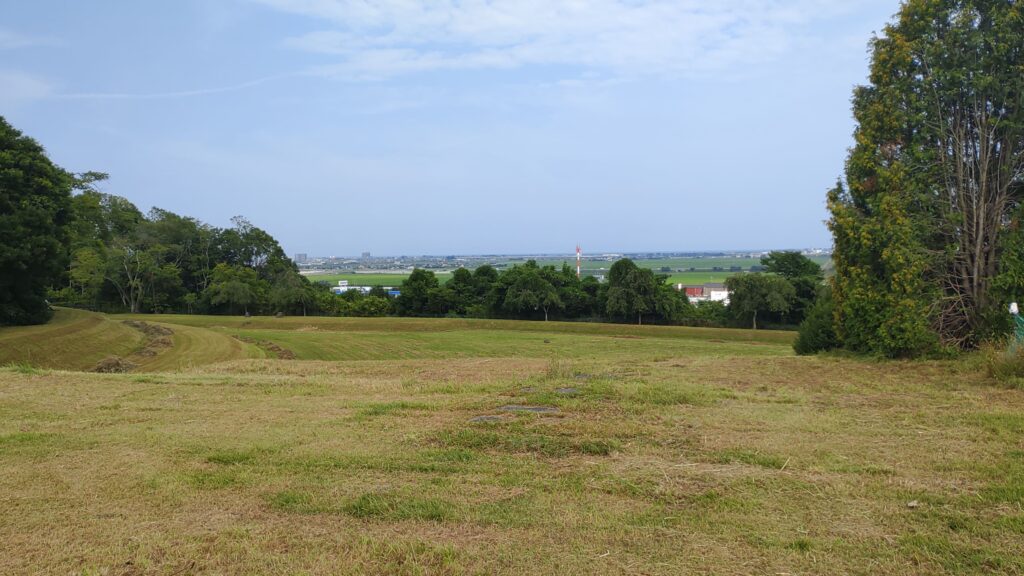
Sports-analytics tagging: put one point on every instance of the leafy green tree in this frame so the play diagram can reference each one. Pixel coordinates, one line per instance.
(758, 293)
(129, 269)
(234, 286)
(87, 275)
(463, 291)
(934, 178)
(35, 210)
(414, 299)
(817, 333)
(803, 273)
(371, 306)
(484, 278)
(291, 293)
(791, 265)
(532, 292)
(632, 291)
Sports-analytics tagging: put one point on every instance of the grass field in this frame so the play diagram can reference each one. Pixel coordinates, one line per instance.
(402, 446)
(73, 340)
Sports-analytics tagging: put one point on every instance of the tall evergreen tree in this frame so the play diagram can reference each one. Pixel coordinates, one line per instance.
(934, 179)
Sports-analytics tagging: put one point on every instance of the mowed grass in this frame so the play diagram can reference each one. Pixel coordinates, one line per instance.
(73, 340)
(197, 347)
(658, 451)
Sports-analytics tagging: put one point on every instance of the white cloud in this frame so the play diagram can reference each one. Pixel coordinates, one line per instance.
(380, 38)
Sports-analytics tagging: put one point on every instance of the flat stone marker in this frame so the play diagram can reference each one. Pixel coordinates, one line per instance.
(567, 391)
(534, 409)
(487, 419)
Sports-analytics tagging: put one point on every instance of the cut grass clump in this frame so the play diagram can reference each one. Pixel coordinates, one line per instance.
(17, 441)
(675, 395)
(231, 457)
(515, 439)
(387, 506)
(1004, 361)
(440, 461)
(214, 479)
(958, 558)
(384, 408)
(754, 458)
(373, 505)
(291, 501)
(22, 368)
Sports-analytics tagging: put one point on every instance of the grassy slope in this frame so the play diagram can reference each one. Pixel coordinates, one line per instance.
(74, 340)
(197, 347)
(673, 455)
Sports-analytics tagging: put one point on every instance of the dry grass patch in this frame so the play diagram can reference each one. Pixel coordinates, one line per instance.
(685, 457)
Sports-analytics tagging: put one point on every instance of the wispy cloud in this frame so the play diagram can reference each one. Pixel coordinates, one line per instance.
(10, 40)
(18, 88)
(170, 95)
(381, 38)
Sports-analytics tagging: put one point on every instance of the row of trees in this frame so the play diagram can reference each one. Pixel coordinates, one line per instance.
(538, 292)
(63, 241)
(781, 296)
(123, 260)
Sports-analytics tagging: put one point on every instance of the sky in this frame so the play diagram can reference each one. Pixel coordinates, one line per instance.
(454, 126)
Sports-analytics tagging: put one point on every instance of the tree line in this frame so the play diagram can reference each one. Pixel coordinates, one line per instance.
(778, 297)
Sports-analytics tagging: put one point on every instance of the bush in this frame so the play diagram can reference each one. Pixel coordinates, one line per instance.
(817, 331)
(1004, 359)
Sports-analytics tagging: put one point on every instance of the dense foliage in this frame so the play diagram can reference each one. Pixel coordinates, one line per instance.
(927, 230)
(122, 260)
(35, 198)
(534, 292)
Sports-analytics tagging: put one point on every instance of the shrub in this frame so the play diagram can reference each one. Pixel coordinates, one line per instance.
(817, 331)
(1004, 359)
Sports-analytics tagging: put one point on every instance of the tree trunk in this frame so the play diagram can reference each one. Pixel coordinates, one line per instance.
(755, 319)
(640, 319)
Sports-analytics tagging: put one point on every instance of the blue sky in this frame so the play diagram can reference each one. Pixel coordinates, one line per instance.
(453, 127)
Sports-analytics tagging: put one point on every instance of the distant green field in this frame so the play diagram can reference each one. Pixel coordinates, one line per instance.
(680, 272)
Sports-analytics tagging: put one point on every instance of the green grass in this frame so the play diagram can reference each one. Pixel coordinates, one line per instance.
(669, 451)
(73, 339)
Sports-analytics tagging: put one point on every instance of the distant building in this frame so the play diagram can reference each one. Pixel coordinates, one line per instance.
(710, 292)
(301, 258)
(366, 256)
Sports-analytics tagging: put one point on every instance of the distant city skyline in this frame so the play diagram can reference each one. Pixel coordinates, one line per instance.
(453, 128)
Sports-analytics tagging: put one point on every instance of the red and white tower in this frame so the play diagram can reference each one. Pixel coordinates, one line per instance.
(579, 259)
